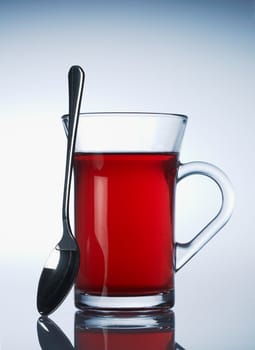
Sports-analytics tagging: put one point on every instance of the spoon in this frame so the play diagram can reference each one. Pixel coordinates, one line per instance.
(62, 266)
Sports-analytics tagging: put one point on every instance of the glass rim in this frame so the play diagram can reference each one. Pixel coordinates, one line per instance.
(128, 132)
(131, 114)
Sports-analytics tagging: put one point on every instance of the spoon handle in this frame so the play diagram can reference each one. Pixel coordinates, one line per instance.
(76, 82)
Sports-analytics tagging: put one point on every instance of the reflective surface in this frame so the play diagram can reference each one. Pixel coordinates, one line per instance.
(93, 331)
(201, 326)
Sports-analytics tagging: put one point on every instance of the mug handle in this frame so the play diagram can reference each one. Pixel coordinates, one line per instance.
(185, 251)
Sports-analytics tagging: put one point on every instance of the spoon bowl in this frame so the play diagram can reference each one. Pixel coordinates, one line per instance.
(57, 279)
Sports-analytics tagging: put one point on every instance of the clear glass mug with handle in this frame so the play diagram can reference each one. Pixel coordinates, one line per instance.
(126, 167)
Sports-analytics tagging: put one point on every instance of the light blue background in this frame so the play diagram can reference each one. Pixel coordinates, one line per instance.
(190, 57)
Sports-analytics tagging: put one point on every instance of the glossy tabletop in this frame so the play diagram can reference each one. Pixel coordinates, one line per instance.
(205, 316)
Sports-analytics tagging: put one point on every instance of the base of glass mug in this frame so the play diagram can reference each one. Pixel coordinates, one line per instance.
(86, 301)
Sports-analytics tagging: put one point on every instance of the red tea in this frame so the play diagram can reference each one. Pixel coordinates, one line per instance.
(124, 207)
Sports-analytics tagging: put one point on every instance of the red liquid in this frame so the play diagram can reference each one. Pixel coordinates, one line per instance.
(105, 340)
(124, 222)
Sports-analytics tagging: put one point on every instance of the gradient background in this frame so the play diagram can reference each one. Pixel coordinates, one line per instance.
(192, 57)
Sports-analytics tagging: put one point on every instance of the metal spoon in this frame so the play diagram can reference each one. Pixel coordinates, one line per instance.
(62, 265)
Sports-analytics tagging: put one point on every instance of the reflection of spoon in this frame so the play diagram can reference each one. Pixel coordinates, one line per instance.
(50, 336)
(62, 265)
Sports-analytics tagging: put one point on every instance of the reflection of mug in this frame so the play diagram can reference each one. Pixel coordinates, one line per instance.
(126, 167)
(153, 331)
(150, 331)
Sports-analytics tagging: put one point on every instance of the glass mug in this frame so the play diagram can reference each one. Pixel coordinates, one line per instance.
(126, 167)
